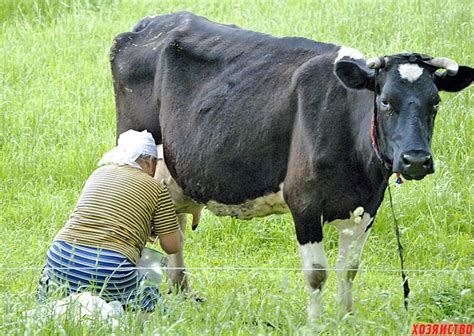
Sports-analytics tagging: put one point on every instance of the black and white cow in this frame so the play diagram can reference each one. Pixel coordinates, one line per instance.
(252, 125)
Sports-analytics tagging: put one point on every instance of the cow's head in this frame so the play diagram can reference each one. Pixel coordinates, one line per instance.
(406, 90)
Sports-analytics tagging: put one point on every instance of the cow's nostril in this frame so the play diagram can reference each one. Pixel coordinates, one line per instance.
(427, 162)
(406, 159)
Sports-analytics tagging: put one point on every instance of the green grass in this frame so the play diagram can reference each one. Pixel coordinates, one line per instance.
(58, 118)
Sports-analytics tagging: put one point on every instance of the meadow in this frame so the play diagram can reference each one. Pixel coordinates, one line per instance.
(57, 117)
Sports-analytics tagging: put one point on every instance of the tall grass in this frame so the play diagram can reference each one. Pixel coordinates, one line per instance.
(58, 117)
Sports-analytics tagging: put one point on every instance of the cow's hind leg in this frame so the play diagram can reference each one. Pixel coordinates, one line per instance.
(353, 235)
(177, 269)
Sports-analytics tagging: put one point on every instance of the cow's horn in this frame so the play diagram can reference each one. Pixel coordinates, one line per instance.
(377, 62)
(445, 63)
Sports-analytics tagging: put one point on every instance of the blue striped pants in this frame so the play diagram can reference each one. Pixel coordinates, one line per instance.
(72, 268)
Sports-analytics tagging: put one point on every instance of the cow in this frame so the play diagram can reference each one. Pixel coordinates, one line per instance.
(252, 125)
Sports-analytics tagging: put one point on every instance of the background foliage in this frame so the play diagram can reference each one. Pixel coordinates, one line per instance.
(57, 119)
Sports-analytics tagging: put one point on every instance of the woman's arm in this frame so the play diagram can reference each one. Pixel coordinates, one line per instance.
(172, 242)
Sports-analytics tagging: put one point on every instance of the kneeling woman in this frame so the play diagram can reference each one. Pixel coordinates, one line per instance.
(120, 208)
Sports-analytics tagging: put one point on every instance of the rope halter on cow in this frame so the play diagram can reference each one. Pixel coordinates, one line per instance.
(380, 63)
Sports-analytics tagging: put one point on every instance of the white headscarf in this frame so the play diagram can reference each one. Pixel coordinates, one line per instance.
(131, 144)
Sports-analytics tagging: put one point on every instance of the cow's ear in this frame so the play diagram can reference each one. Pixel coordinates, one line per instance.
(462, 79)
(355, 75)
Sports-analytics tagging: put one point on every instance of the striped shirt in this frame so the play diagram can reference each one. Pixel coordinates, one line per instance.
(119, 207)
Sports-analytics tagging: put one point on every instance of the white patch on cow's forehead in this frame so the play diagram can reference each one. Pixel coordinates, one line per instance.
(348, 52)
(259, 207)
(410, 72)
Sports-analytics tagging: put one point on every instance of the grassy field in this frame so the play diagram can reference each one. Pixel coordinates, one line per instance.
(58, 118)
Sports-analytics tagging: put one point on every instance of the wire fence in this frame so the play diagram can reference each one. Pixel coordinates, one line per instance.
(251, 269)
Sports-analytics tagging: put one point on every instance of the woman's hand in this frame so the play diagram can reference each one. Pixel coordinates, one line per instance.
(152, 238)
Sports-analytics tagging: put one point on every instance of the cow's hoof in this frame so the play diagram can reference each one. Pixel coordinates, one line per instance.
(197, 298)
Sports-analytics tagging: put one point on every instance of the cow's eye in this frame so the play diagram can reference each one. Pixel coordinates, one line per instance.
(385, 105)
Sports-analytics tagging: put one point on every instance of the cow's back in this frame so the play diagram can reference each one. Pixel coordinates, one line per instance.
(221, 100)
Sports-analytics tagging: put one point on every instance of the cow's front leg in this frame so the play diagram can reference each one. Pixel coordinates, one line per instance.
(177, 270)
(314, 265)
(353, 235)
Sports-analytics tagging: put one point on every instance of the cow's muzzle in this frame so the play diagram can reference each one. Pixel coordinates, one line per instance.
(415, 164)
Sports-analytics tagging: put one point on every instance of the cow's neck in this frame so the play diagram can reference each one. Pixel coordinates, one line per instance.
(377, 170)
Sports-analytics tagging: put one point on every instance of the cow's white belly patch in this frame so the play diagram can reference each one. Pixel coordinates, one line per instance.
(259, 207)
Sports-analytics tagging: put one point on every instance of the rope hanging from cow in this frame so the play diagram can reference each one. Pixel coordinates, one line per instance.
(406, 287)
